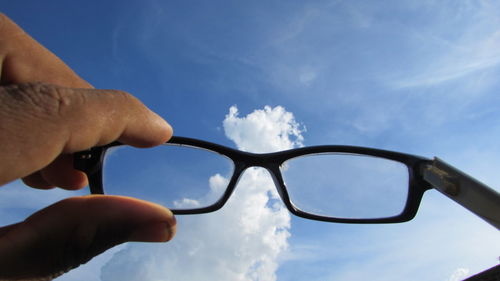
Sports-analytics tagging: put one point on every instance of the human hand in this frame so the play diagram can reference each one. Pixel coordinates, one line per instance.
(47, 112)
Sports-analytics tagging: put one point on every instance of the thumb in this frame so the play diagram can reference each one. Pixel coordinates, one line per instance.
(71, 232)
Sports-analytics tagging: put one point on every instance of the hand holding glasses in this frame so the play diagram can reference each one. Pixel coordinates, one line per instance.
(330, 183)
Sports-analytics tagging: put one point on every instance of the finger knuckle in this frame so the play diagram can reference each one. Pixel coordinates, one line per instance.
(124, 96)
(42, 100)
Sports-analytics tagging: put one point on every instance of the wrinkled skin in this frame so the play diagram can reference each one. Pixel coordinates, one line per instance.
(47, 112)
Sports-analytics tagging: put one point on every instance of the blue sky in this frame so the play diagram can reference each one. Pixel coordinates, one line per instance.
(419, 77)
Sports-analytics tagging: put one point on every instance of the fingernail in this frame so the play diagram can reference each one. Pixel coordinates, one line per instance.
(155, 232)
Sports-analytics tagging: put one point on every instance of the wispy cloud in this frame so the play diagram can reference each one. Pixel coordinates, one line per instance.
(466, 58)
(459, 274)
(25, 200)
(462, 41)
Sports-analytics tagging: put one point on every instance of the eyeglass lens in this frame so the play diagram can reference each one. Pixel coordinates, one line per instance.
(346, 185)
(178, 177)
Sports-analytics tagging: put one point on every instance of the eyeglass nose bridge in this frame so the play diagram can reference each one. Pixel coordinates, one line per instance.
(257, 161)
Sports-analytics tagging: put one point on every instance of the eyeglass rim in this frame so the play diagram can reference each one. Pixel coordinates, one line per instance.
(91, 163)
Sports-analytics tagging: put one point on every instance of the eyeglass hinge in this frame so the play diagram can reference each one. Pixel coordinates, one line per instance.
(85, 160)
(465, 190)
(441, 179)
(84, 156)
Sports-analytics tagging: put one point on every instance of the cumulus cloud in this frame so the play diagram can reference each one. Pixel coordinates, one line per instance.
(266, 130)
(242, 241)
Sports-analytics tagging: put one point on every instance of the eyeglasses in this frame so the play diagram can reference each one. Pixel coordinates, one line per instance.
(329, 183)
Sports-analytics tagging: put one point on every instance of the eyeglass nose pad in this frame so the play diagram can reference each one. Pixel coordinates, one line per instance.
(279, 183)
(239, 169)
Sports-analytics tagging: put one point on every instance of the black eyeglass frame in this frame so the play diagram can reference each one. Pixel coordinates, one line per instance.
(91, 163)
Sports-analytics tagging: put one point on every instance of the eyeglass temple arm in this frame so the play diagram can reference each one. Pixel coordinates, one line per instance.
(465, 190)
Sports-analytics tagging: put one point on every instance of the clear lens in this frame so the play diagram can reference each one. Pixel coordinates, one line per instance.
(347, 185)
(178, 177)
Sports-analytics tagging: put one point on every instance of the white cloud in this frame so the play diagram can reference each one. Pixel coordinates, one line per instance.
(307, 77)
(472, 50)
(25, 200)
(263, 130)
(243, 240)
(480, 55)
(459, 274)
